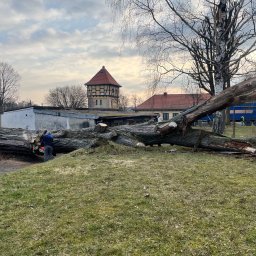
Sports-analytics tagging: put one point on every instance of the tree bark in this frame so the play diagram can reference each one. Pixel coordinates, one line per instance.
(238, 94)
(18, 141)
(178, 131)
(194, 138)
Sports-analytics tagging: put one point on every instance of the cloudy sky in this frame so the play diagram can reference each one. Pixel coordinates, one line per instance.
(64, 42)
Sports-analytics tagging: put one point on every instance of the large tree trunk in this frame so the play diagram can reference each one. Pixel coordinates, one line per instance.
(221, 41)
(178, 131)
(19, 141)
(238, 94)
(194, 138)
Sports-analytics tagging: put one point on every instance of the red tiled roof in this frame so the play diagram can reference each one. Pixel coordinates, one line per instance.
(172, 101)
(103, 77)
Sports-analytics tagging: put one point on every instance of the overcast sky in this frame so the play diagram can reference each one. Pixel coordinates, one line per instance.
(64, 42)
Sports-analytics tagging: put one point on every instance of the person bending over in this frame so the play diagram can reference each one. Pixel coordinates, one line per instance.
(47, 142)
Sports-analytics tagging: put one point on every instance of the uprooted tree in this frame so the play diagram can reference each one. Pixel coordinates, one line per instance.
(177, 131)
(207, 41)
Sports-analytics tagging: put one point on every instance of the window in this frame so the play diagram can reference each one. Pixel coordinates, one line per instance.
(96, 102)
(100, 102)
(174, 114)
(165, 116)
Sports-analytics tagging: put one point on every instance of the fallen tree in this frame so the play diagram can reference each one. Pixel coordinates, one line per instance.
(178, 131)
(238, 94)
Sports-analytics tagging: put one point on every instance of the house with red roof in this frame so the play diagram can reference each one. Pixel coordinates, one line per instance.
(170, 105)
(103, 91)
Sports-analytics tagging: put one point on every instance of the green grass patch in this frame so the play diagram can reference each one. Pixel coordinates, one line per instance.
(116, 200)
(241, 132)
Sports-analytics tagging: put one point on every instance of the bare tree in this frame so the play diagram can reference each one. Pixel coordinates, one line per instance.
(9, 82)
(67, 97)
(210, 41)
(123, 102)
(13, 104)
(195, 92)
(136, 100)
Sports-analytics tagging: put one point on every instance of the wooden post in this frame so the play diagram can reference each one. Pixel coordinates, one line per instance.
(234, 124)
(1, 115)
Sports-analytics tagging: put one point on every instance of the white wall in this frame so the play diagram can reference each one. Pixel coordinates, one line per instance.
(43, 119)
(105, 102)
(52, 122)
(161, 112)
(21, 118)
(171, 113)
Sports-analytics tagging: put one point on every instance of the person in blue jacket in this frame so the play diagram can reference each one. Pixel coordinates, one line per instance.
(47, 142)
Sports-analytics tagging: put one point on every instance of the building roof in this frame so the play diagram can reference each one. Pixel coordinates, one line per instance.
(103, 77)
(172, 101)
(95, 114)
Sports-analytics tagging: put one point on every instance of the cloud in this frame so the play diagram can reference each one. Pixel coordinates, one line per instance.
(61, 42)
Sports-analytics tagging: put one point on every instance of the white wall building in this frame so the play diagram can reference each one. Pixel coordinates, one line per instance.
(53, 118)
(40, 118)
(169, 105)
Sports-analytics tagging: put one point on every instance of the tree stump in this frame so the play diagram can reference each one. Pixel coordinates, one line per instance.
(101, 128)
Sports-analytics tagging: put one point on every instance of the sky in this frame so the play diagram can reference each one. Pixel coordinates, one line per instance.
(53, 43)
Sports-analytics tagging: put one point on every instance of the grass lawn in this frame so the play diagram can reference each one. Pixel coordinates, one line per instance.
(124, 201)
(241, 132)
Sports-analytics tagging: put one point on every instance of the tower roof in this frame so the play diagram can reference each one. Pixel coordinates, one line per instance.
(103, 77)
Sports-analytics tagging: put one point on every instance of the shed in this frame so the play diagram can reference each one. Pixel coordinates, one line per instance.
(52, 118)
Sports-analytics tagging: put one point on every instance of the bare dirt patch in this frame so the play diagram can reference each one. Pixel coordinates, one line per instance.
(10, 163)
